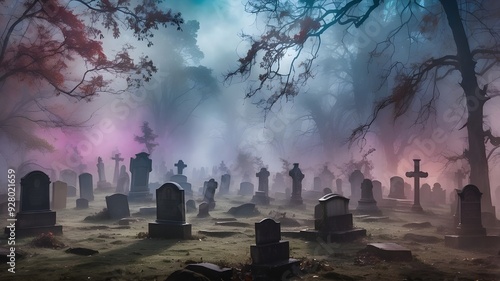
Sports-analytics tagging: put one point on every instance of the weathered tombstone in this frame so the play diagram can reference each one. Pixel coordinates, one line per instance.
(470, 232)
(71, 191)
(170, 214)
(182, 179)
(123, 183)
(117, 205)
(34, 216)
(438, 194)
(117, 173)
(409, 193)
(59, 195)
(246, 188)
(377, 191)
(209, 196)
(338, 183)
(225, 183)
(317, 183)
(416, 174)
(190, 206)
(102, 184)
(297, 177)
(326, 177)
(82, 203)
(269, 251)
(86, 186)
(426, 194)
(203, 209)
(69, 176)
(397, 190)
(356, 178)
(140, 167)
(261, 196)
(333, 222)
(367, 204)
(279, 183)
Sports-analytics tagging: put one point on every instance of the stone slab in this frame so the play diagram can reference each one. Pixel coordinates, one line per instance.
(212, 271)
(333, 237)
(169, 231)
(390, 251)
(148, 211)
(471, 241)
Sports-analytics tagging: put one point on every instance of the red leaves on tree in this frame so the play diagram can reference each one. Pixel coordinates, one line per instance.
(306, 26)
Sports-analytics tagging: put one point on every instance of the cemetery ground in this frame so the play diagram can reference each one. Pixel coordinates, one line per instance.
(124, 253)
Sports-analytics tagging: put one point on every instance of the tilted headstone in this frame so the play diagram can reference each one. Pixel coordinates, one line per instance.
(86, 186)
(190, 206)
(397, 188)
(140, 167)
(117, 205)
(35, 216)
(59, 195)
(209, 196)
(355, 179)
(170, 213)
(203, 210)
(297, 176)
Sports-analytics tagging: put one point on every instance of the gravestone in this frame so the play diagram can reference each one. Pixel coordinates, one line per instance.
(297, 176)
(317, 183)
(438, 194)
(246, 188)
(409, 193)
(203, 209)
(262, 195)
(279, 183)
(153, 186)
(416, 174)
(367, 204)
(209, 195)
(82, 203)
(102, 184)
(225, 183)
(426, 194)
(377, 191)
(355, 179)
(397, 188)
(333, 222)
(117, 173)
(59, 195)
(140, 167)
(190, 206)
(117, 205)
(170, 214)
(123, 182)
(182, 179)
(470, 232)
(339, 191)
(69, 177)
(326, 177)
(34, 216)
(270, 255)
(86, 186)
(71, 191)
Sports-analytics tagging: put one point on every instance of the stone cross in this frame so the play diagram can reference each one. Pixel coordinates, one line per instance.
(416, 174)
(117, 167)
(180, 166)
(263, 176)
(459, 176)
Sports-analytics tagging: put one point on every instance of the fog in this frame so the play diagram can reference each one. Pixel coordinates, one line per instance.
(204, 121)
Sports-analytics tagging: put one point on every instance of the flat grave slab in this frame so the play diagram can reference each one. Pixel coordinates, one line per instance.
(212, 271)
(389, 251)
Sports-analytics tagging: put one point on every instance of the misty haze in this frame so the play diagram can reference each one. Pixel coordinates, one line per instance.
(250, 140)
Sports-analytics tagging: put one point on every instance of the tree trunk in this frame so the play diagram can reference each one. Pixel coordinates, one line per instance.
(476, 154)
